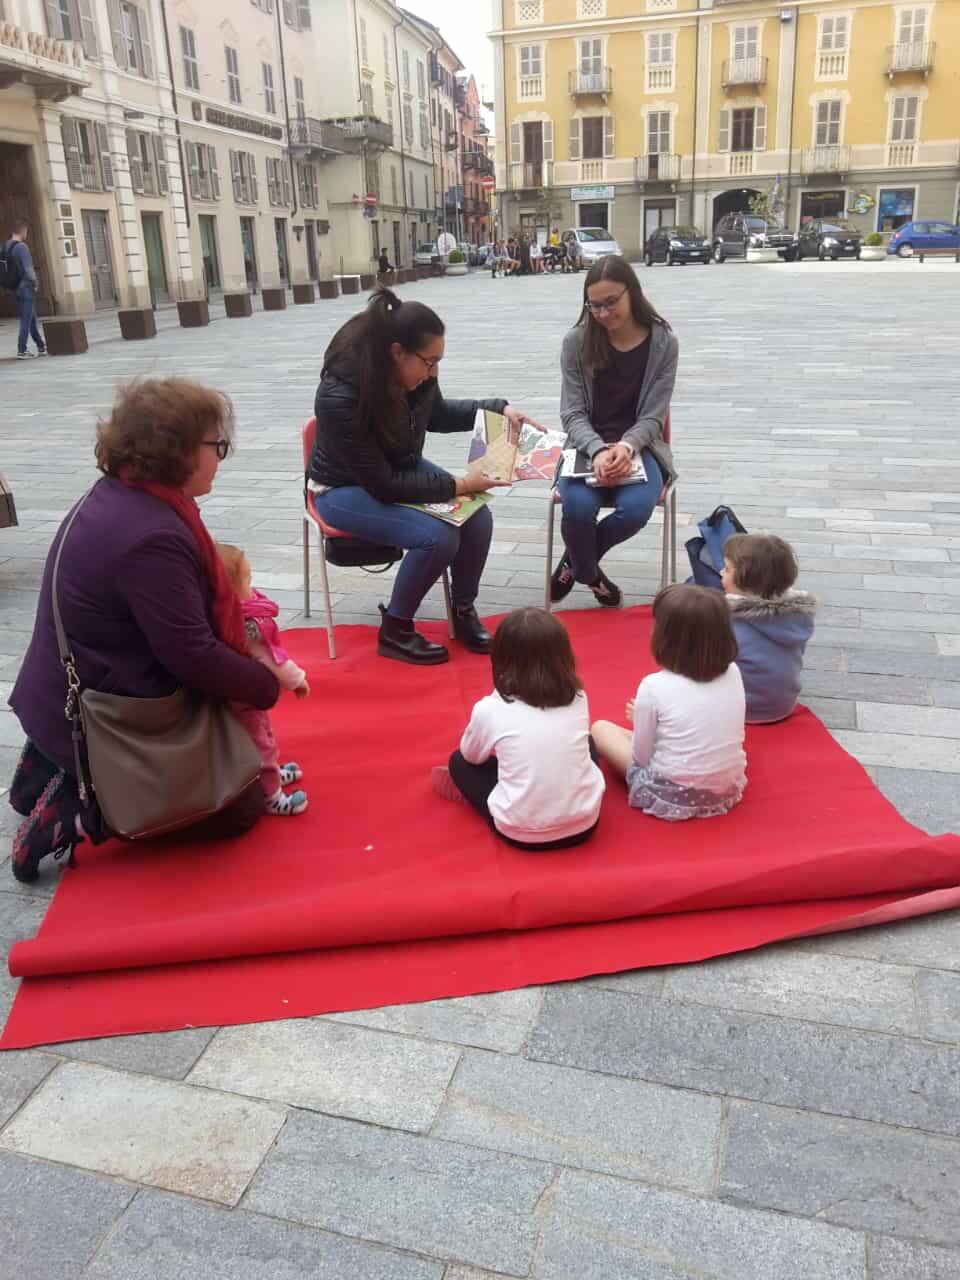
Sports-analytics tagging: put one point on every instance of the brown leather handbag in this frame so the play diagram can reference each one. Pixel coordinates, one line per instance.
(153, 765)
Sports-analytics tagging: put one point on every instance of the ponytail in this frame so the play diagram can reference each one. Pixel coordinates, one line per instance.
(363, 345)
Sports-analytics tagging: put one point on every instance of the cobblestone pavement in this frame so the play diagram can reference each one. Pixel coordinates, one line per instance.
(789, 1114)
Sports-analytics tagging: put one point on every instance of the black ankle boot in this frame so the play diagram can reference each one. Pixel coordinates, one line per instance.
(470, 631)
(398, 639)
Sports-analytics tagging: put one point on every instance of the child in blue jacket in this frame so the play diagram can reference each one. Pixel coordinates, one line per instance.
(771, 621)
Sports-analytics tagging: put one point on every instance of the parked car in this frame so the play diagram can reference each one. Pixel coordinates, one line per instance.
(425, 255)
(677, 244)
(595, 243)
(471, 253)
(735, 233)
(911, 237)
(828, 238)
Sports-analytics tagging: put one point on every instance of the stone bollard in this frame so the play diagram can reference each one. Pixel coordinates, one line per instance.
(348, 284)
(238, 305)
(328, 289)
(65, 337)
(303, 293)
(274, 299)
(194, 314)
(367, 280)
(137, 322)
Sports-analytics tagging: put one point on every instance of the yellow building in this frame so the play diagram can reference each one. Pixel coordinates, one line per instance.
(630, 114)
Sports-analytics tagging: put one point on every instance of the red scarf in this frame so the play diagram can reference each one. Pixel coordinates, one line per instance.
(228, 622)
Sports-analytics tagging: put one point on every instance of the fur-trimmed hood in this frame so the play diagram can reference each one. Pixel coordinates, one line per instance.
(792, 604)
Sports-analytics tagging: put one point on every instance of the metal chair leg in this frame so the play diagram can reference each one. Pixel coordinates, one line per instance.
(448, 601)
(665, 543)
(551, 512)
(673, 534)
(306, 567)
(325, 579)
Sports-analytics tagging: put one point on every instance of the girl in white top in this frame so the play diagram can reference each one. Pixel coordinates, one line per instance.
(684, 758)
(526, 761)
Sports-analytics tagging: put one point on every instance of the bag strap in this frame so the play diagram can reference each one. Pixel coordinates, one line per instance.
(69, 663)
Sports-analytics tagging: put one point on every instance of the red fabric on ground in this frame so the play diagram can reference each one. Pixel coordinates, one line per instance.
(383, 893)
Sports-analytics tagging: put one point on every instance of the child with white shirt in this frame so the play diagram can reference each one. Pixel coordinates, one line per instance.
(526, 761)
(684, 758)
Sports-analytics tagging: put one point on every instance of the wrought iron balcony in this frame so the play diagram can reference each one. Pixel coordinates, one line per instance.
(478, 161)
(737, 71)
(660, 167)
(911, 55)
(52, 68)
(309, 134)
(583, 83)
(825, 159)
(361, 130)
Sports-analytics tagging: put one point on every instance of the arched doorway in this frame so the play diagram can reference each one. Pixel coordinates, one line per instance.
(736, 201)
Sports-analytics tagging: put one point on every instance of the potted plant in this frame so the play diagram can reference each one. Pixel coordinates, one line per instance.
(456, 264)
(873, 249)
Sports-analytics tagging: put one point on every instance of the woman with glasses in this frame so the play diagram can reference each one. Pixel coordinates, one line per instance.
(618, 365)
(146, 606)
(378, 397)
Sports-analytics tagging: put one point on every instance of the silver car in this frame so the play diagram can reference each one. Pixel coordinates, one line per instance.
(595, 243)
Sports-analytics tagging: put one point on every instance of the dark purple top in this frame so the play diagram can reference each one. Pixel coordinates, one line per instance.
(616, 391)
(136, 607)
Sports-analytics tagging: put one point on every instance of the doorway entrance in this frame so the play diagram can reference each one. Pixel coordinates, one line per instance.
(658, 213)
(208, 250)
(96, 235)
(248, 239)
(822, 204)
(594, 215)
(156, 267)
(313, 266)
(283, 255)
(396, 244)
(737, 201)
(18, 199)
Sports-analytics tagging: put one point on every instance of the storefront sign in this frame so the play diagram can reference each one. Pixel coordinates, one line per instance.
(227, 120)
(592, 193)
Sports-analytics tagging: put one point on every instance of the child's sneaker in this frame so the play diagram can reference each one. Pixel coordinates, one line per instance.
(290, 773)
(283, 806)
(444, 785)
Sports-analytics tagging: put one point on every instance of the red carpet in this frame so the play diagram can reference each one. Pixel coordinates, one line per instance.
(383, 893)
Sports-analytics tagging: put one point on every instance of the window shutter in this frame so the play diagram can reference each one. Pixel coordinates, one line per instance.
(840, 33)
(548, 140)
(214, 175)
(303, 15)
(71, 151)
(54, 25)
(910, 120)
(106, 163)
(285, 180)
(116, 34)
(163, 179)
(516, 144)
(136, 165)
(574, 148)
(608, 139)
(723, 134)
(254, 192)
(290, 13)
(88, 28)
(193, 169)
(760, 129)
(237, 176)
(146, 48)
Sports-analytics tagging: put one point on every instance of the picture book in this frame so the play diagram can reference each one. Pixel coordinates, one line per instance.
(494, 455)
(577, 466)
(455, 510)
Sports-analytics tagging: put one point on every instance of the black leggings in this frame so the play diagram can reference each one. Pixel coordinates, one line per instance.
(476, 781)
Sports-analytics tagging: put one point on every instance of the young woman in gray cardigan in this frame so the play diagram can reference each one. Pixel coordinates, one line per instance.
(619, 364)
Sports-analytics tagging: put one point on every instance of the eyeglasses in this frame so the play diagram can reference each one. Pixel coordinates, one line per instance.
(598, 308)
(430, 361)
(222, 447)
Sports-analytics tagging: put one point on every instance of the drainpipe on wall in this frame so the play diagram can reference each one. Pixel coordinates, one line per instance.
(403, 153)
(696, 100)
(793, 103)
(286, 114)
(176, 109)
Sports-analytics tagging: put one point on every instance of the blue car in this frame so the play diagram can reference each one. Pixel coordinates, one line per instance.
(923, 234)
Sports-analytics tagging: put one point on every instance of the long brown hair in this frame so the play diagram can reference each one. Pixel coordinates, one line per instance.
(363, 345)
(596, 344)
(533, 660)
(692, 632)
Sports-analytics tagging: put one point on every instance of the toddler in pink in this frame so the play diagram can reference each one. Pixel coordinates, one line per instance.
(263, 643)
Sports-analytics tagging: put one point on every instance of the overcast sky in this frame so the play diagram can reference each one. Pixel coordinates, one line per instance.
(465, 27)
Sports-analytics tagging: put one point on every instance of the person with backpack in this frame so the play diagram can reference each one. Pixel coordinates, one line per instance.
(17, 274)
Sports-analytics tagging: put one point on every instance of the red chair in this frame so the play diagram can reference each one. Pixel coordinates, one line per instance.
(361, 553)
(668, 553)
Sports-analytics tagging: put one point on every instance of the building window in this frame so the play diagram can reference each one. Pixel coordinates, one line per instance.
(296, 14)
(408, 122)
(307, 181)
(130, 30)
(366, 98)
(903, 119)
(405, 64)
(912, 27)
(233, 76)
(202, 169)
(269, 96)
(426, 191)
(828, 124)
(832, 47)
(70, 20)
(243, 170)
(413, 198)
(86, 150)
(531, 71)
(390, 108)
(746, 52)
(421, 79)
(393, 184)
(278, 181)
(741, 138)
(742, 129)
(658, 133)
(191, 68)
(364, 48)
(591, 8)
(660, 47)
(591, 66)
(299, 103)
(386, 57)
(592, 127)
(528, 11)
(265, 6)
(424, 131)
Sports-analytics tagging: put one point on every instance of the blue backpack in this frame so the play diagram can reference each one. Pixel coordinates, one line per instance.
(706, 551)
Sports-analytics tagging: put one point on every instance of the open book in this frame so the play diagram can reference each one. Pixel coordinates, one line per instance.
(577, 466)
(454, 510)
(494, 455)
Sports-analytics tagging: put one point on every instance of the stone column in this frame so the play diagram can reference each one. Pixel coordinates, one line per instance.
(190, 282)
(73, 290)
(133, 285)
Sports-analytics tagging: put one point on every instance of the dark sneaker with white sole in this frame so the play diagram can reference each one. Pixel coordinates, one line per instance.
(561, 580)
(606, 592)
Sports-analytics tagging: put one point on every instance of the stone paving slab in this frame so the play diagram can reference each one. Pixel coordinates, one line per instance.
(892, 1259)
(500, 1021)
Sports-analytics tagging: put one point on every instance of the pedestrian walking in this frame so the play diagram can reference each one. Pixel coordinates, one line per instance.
(20, 277)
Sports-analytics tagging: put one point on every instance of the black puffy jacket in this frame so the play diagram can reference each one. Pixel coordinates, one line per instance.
(346, 455)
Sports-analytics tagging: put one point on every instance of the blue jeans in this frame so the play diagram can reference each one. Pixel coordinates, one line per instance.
(587, 542)
(27, 302)
(431, 545)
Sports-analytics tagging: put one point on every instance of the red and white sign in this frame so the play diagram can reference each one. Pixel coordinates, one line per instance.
(488, 184)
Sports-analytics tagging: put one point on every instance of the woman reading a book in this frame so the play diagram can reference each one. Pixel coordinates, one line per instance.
(619, 364)
(378, 396)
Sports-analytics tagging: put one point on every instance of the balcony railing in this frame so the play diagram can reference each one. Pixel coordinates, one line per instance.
(901, 155)
(660, 167)
(911, 55)
(317, 135)
(531, 176)
(832, 65)
(478, 161)
(89, 177)
(741, 162)
(364, 129)
(53, 68)
(587, 82)
(660, 77)
(744, 71)
(825, 159)
(478, 208)
(531, 87)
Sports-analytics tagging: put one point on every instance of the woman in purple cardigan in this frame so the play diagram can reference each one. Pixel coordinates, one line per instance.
(142, 605)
